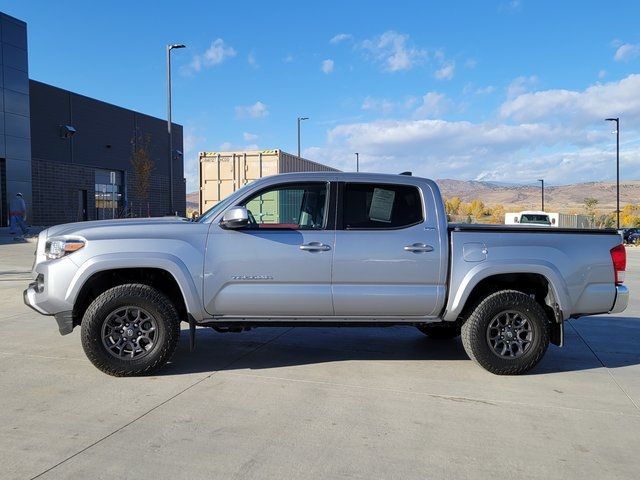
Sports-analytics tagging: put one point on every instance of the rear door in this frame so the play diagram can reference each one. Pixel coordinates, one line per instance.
(387, 254)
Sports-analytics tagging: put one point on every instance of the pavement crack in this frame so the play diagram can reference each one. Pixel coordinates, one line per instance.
(156, 407)
(605, 367)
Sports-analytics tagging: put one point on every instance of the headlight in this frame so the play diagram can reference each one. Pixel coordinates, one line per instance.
(59, 248)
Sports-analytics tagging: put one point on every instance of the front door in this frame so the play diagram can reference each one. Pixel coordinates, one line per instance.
(387, 256)
(280, 264)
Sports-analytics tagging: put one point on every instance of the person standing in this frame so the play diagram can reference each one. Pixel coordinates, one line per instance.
(18, 214)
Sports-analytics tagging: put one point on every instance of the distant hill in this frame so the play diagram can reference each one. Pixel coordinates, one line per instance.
(192, 201)
(565, 198)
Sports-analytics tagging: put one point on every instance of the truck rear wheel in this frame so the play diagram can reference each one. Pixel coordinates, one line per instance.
(130, 330)
(441, 330)
(507, 333)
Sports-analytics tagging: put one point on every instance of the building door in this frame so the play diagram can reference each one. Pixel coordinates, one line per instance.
(82, 206)
(280, 264)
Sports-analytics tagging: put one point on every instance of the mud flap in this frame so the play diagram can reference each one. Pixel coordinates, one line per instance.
(192, 333)
(556, 335)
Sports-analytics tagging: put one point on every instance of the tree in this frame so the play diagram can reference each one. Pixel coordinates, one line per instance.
(497, 214)
(452, 206)
(590, 205)
(630, 215)
(476, 208)
(143, 166)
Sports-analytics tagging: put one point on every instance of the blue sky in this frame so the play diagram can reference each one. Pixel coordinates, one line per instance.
(498, 90)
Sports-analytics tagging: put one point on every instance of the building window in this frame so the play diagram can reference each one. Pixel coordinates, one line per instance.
(109, 194)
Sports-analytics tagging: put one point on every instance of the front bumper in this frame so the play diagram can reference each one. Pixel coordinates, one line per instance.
(29, 297)
(622, 299)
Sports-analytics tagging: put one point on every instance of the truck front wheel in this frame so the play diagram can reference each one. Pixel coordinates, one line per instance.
(130, 330)
(507, 333)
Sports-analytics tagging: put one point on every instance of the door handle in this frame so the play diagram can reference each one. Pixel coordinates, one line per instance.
(315, 247)
(418, 248)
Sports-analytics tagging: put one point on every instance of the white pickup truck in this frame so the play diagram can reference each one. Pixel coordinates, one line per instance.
(323, 249)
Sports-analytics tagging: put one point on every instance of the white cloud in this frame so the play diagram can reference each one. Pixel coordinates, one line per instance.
(602, 74)
(441, 149)
(327, 66)
(257, 110)
(626, 52)
(378, 104)
(558, 135)
(485, 90)
(392, 51)
(251, 60)
(341, 37)
(433, 105)
(471, 63)
(217, 53)
(288, 58)
(520, 85)
(249, 137)
(446, 72)
(511, 6)
(578, 108)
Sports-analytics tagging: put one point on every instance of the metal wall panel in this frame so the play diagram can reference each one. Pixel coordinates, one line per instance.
(15, 144)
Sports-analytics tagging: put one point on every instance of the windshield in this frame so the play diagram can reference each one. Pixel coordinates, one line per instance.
(213, 211)
(533, 218)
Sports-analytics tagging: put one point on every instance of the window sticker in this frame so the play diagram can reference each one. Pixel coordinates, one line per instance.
(381, 205)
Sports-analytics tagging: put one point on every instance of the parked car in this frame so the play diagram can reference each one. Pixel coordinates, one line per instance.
(319, 249)
(627, 233)
(633, 237)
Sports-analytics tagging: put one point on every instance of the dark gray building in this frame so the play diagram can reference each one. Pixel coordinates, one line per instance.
(70, 155)
(15, 135)
(77, 142)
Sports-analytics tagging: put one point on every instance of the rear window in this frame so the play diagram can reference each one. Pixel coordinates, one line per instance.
(380, 206)
(533, 218)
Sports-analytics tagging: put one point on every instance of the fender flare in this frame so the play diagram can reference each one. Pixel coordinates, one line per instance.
(159, 260)
(457, 302)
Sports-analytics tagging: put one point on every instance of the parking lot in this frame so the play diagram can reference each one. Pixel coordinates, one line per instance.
(317, 403)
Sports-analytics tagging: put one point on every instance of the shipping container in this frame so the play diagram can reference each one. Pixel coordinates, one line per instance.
(222, 173)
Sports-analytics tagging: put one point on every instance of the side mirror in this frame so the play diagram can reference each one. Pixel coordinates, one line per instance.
(235, 217)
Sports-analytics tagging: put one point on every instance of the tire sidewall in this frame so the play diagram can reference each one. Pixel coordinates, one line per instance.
(127, 295)
(484, 314)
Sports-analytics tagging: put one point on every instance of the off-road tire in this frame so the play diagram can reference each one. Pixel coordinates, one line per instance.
(441, 330)
(474, 333)
(137, 295)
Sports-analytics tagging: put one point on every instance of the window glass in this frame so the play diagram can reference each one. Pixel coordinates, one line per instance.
(294, 206)
(108, 197)
(380, 206)
(537, 219)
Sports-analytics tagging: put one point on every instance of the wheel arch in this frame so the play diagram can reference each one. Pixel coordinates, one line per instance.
(541, 280)
(168, 275)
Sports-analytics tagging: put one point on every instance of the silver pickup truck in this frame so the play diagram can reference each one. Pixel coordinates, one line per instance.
(319, 249)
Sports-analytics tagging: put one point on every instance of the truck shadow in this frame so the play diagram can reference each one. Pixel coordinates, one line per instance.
(264, 348)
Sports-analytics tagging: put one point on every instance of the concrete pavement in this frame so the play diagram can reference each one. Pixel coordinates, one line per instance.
(317, 403)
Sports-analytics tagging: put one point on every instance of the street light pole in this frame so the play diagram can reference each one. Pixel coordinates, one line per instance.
(617, 120)
(169, 48)
(299, 120)
(357, 162)
(542, 180)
